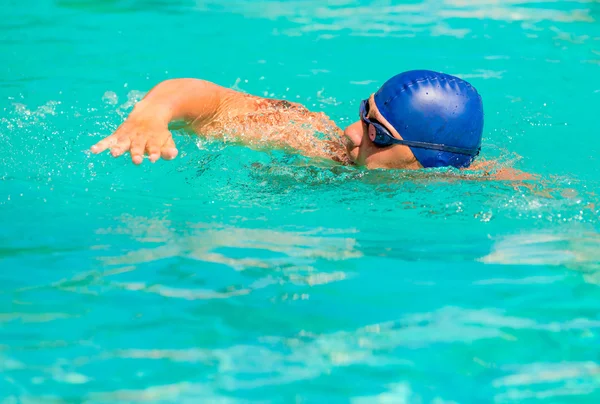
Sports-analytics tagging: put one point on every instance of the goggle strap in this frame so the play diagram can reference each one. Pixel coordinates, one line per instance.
(439, 147)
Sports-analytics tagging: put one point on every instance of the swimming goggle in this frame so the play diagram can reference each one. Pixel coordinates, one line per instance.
(381, 137)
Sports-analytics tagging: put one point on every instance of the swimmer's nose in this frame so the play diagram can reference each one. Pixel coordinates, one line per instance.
(353, 135)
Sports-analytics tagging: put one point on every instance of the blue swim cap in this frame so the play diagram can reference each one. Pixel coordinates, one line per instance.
(432, 107)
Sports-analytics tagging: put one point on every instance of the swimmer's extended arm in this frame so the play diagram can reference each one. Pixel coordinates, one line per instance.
(146, 130)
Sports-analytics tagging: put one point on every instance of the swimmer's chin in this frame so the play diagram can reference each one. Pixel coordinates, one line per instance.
(351, 156)
(343, 158)
(351, 153)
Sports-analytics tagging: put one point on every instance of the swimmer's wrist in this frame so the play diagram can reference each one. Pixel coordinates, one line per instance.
(160, 113)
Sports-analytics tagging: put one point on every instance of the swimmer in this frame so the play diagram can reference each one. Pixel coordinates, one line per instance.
(417, 119)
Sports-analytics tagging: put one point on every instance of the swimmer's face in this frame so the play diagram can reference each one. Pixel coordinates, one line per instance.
(362, 151)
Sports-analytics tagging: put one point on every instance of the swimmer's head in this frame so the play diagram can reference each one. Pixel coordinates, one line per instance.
(418, 119)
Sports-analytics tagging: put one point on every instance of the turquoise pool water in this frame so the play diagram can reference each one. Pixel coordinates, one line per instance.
(232, 275)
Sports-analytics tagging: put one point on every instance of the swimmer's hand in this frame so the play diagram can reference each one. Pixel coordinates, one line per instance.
(146, 131)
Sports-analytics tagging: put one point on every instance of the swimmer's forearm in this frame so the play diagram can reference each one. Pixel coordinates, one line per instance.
(190, 100)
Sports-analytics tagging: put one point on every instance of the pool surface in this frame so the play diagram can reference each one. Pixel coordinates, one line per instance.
(233, 275)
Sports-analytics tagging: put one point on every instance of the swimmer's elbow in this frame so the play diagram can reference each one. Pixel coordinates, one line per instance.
(186, 98)
(182, 85)
(197, 101)
(198, 92)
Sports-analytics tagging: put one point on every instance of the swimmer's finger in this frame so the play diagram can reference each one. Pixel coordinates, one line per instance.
(104, 144)
(123, 144)
(169, 150)
(153, 148)
(138, 144)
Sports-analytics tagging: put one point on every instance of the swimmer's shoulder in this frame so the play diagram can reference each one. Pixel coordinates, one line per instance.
(275, 105)
(236, 104)
(251, 109)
